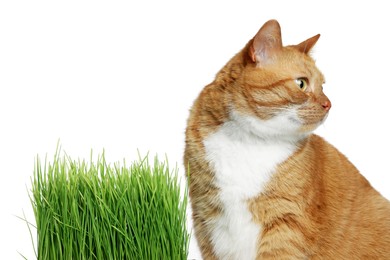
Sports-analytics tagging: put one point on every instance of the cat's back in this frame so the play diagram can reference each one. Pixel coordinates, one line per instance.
(319, 205)
(355, 220)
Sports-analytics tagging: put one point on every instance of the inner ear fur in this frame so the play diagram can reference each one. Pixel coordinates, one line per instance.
(266, 42)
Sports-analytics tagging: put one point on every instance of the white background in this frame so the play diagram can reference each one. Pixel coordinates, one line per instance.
(122, 76)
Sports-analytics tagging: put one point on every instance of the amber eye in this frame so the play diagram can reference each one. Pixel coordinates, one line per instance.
(301, 83)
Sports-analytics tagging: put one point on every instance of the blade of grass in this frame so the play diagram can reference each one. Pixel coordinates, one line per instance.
(98, 211)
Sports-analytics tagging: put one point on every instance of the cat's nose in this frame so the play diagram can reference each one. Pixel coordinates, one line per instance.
(326, 105)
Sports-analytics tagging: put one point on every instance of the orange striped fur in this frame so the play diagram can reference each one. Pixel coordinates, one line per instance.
(262, 186)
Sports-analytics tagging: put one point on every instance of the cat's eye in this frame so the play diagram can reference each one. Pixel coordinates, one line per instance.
(301, 83)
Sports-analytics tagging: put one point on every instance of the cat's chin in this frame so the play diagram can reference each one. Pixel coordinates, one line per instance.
(309, 128)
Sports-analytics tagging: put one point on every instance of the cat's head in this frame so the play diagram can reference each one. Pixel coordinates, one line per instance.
(279, 90)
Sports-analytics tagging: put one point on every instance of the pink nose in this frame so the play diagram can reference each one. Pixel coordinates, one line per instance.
(326, 105)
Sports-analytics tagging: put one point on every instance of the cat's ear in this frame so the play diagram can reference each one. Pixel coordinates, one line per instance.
(266, 43)
(307, 45)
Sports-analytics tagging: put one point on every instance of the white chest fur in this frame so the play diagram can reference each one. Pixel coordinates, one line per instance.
(243, 164)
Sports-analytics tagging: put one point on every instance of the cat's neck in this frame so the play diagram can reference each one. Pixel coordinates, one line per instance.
(248, 128)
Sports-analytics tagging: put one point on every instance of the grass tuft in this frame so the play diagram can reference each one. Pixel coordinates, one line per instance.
(98, 211)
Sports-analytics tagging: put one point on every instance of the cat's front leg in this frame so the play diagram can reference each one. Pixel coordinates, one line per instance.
(278, 255)
(286, 232)
(282, 240)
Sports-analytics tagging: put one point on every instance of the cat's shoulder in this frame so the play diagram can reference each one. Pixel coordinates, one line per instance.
(321, 144)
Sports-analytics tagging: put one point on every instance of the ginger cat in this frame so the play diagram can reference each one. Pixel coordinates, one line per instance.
(262, 186)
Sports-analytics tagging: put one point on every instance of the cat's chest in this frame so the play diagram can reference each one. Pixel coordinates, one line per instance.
(242, 166)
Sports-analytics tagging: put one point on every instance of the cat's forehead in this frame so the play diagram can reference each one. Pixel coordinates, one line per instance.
(301, 64)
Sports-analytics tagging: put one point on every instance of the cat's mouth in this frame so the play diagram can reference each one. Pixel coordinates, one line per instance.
(307, 117)
(310, 123)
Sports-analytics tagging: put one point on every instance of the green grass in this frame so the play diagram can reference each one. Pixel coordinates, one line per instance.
(98, 211)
